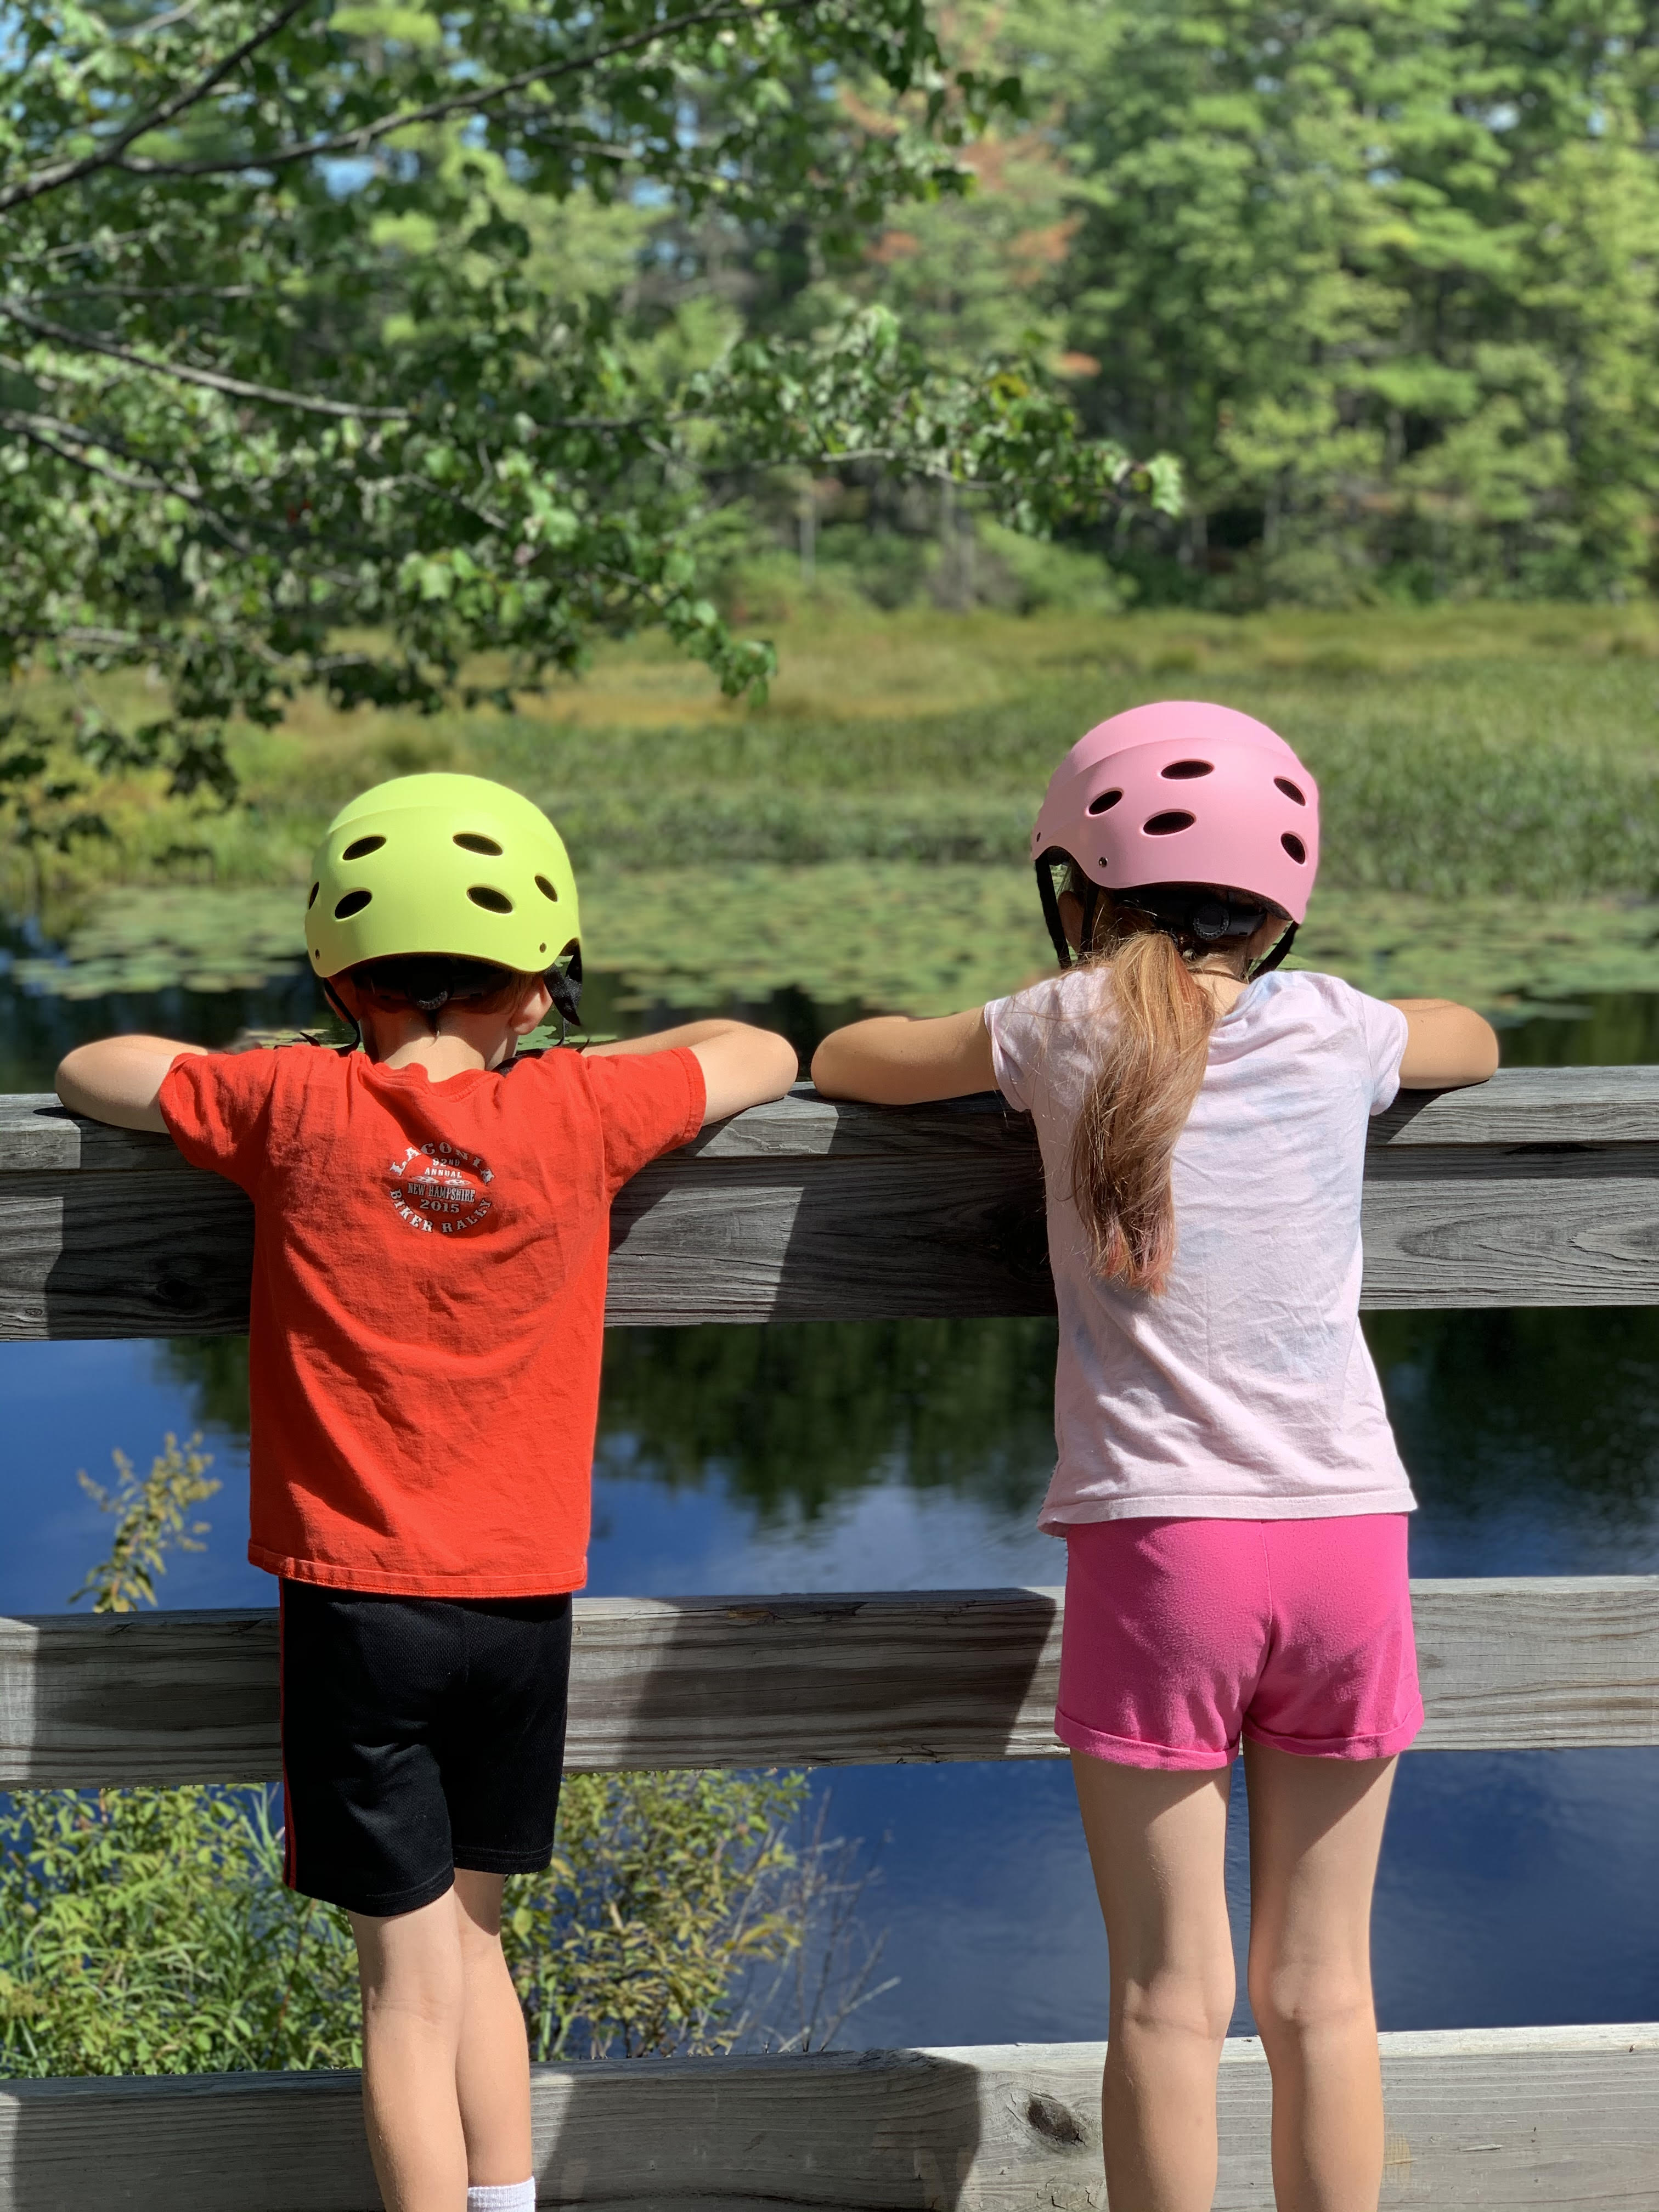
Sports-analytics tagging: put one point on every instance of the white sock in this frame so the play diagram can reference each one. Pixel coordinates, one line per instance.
(503, 2196)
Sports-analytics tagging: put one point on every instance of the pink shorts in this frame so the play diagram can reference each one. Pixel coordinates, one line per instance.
(1182, 1636)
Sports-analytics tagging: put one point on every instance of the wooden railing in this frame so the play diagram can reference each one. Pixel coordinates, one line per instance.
(1540, 1188)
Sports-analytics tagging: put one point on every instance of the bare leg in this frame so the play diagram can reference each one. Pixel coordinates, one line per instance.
(1316, 1830)
(410, 1970)
(492, 2067)
(1157, 1842)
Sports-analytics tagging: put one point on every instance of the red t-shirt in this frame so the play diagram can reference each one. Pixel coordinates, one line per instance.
(429, 1301)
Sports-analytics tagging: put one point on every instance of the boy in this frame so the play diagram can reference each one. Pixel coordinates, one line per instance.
(432, 1217)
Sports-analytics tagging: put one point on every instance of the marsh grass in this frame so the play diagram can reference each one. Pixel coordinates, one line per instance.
(863, 834)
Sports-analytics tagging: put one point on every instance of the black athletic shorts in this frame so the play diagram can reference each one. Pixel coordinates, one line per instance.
(419, 1735)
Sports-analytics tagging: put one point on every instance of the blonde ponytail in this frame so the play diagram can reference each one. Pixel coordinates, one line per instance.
(1136, 1105)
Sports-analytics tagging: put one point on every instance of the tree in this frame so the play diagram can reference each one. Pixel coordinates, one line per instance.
(1385, 277)
(294, 389)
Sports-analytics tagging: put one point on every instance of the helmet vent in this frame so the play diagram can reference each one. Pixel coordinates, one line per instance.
(353, 903)
(493, 902)
(1290, 790)
(476, 844)
(1106, 799)
(362, 848)
(546, 890)
(1165, 826)
(312, 901)
(1184, 771)
(1295, 847)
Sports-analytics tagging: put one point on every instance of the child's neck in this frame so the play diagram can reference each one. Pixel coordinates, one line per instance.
(1224, 988)
(461, 1044)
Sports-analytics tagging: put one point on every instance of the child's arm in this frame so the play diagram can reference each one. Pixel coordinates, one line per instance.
(117, 1078)
(741, 1065)
(892, 1060)
(1446, 1045)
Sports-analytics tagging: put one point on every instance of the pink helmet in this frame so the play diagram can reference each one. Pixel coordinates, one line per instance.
(1183, 792)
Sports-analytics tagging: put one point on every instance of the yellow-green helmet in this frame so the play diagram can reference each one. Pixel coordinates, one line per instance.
(442, 864)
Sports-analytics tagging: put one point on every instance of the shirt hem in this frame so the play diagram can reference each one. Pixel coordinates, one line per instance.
(1223, 1506)
(373, 1582)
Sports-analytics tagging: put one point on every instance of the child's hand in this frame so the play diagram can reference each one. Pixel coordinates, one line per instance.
(893, 1060)
(117, 1079)
(742, 1066)
(1447, 1045)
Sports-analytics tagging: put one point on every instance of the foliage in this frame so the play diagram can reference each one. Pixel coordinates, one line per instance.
(150, 1521)
(972, 274)
(148, 1931)
(1385, 277)
(294, 388)
(666, 1890)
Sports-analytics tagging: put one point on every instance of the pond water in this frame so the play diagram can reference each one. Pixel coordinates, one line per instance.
(1516, 1887)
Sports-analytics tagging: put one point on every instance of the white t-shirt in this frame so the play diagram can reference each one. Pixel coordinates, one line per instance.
(1246, 1392)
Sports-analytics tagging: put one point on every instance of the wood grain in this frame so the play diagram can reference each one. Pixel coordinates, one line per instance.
(1528, 1663)
(1519, 1106)
(1539, 1188)
(1500, 2119)
(1538, 1227)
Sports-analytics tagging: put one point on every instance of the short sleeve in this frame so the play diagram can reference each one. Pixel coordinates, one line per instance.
(1022, 1033)
(647, 1101)
(217, 1106)
(1384, 1030)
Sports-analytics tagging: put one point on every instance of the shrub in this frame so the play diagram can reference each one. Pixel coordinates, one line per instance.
(148, 1931)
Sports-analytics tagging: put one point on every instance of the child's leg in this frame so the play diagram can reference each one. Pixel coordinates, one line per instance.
(413, 1985)
(1316, 1830)
(492, 2066)
(1158, 1841)
(445, 2062)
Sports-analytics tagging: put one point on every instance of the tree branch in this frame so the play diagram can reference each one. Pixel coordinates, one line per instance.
(106, 441)
(233, 386)
(438, 111)
(45, 431)
(162, 292)
(68, 173)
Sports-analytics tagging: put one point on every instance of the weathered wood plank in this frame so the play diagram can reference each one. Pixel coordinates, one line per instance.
(1528, 1663)
(1532, 1227)
(1539, 1188)
(1499, 2119)
(1529, 1106)
(1519, 1106)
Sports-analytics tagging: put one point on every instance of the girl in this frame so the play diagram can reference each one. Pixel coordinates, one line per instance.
(1231, 1498)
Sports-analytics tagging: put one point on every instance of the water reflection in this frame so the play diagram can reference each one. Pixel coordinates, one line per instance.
(1532, 1436)
(790, 1420)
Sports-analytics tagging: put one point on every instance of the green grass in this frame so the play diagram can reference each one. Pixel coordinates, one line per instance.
(1490, 778)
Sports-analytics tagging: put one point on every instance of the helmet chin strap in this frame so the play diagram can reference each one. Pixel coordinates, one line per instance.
(1046, 892)
(564, 987)
(344, 1012)
(1270, 960)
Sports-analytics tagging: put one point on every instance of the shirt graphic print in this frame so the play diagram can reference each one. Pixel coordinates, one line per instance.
(438, 1186)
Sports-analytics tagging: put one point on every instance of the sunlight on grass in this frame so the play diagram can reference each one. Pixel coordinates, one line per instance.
(863, 834)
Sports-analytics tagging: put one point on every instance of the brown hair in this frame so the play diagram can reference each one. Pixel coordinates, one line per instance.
(1136, 1104)
(426, 982)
